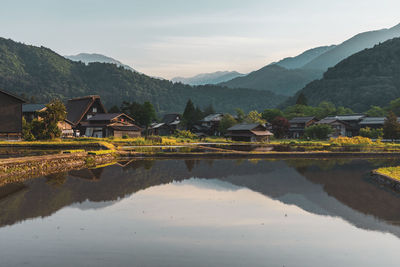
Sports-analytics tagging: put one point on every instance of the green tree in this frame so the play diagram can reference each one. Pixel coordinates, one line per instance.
(301, 99)
(47, 126)
(134, 110)
(254, 117)
(189, 114)
(371, 133)
(270, 114)
(395, 106)
(209, 110)
(149, 114)
(376, 111)
(280, 127)
(240, 115)
(391, 127)
(114, 109)
(226, 122)
(318, 131)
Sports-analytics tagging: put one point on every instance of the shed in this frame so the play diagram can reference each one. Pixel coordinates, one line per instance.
(249, 133)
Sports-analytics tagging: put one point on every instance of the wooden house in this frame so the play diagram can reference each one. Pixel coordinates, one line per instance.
(249, 133)
(168, 125)
(10, 116)
(352, 123)
(32, 111)
(299, 124)
(81, 109)
(339, 127)
(210, 124)
(111, 124)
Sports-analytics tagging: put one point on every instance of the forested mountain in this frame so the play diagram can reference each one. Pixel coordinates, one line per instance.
(41, 73)
(276, 79)
(370, 77)
(353, 45)
(304, 58)
(209, 78)
(91, 58)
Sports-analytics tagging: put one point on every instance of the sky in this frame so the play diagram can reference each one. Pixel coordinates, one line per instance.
(169, 38)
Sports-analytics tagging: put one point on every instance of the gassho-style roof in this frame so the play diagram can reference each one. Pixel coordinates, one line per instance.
(248, 130)
(32, 107)
(355, 117)
(77, 107)
(374, 120)
(108, 116)
(213, 117)
(301, 119)
(169, 118)
(20, 99)
(244, 127)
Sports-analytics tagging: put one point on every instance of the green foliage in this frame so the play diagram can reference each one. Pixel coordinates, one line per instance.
(191, 115)
(270, 114)
(185, 134)
(144, 114)
(254, 117)
(27, 131)
(376, 111)
(391, 128)
(323, 110)
(318, 131)
(280, 127)
(226, 122)
(395, 106)
(371, 133)
(240, 115)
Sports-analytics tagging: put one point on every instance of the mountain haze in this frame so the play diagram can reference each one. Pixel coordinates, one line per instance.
(304, 58)
(91, 58)
(209, 78)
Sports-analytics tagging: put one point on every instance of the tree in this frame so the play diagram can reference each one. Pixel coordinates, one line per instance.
(371, 133)
(240, 115)
(280, 127)
(189, 114)
(254, 117)
(270, 114)
(114, 109)
(394, 106)
(318, 131)
(134, 110)
(391, 127)
(301, 99)
(149, 114)
(209, 110)
(226, 122)
(376, 111)
(54, 113)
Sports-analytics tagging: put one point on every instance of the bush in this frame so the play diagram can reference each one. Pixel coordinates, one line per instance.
(185, 134)
(318, 131)
(125, 136)
(371, 133)
(357, 140)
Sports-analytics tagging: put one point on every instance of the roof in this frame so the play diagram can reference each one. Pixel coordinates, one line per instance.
(32, 107)
(213, 117)
(244, 127)
(20, 99)
(329, 121)
(262, 133)
(77, 107)
(374, 120)
(108, 116)
(169, 118)
(131, 127)
(301, 119)
(156, 125)
(354, 117)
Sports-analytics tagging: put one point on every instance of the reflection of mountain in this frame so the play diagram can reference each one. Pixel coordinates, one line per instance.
(325, 187)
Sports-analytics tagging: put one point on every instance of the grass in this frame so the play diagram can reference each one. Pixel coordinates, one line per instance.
(100, 152)
(392, 172)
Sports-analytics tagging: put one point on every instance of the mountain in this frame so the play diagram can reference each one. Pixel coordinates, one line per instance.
(91, 58)
(370, 77)
(304, 58)
(41, 73)
(351, 46)
(276, 79)
(209, 78)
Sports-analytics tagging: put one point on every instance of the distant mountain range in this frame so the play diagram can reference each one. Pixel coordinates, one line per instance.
(90, 58)
(370, 77)
(298, 71)
(209, 78)
(41, 73)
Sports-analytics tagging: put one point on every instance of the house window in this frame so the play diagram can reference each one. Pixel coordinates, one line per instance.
(89, 116)
(94, 109)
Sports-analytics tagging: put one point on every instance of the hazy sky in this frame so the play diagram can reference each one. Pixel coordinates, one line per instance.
(170, 38)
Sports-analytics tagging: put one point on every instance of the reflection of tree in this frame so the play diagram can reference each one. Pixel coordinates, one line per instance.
(57, 179)
(190, 164)
(301, 165)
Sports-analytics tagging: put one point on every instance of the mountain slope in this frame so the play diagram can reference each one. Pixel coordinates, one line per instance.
(370, 77)
(209, 78)
(91, 58)
(353, 45)
(304, 58)
(276, 79)
(40, 72)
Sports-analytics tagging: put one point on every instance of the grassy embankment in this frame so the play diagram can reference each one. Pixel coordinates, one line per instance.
(392, 172)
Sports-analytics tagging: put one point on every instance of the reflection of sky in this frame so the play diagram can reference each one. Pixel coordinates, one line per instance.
(189, 224)
(176, 37)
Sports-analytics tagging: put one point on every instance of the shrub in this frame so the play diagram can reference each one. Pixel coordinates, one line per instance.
(318, 131)
(357, 140)
(185, 134)
(371, 133)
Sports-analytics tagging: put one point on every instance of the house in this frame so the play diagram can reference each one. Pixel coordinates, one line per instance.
(111, 124)
(352, 123)
(299, 124)
(373, 122)
(10, 116)
(339, 127)
(82, 109)
(249, 133)
(168, 125)
(209, 125)
(31, 111)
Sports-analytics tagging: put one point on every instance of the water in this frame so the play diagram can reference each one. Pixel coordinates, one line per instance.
(203, 213)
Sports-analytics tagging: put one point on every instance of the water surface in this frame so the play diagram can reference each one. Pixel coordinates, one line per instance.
(203, 213)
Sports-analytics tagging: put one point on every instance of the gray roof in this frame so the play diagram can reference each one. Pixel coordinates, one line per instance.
(106, 116)
(169, 118)
(354, 117)
(301, 119)
(77, 107)
(374, 120)
(32, 107)
(243, 127)
(213, 117)
(329, 121)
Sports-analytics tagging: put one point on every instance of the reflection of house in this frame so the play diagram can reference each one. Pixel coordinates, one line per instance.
(249, 133)
(339, 127)
(111, 124)
(210, 124)
(299, 124)
(31, 111)
(83, 108)
(10, 116)
(167, 126)
(352, 123)
(87, 174)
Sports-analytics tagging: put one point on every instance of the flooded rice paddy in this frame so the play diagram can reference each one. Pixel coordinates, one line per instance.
(203, 213)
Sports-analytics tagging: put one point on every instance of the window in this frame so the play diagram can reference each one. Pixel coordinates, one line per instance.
(89, 116)
(94, 109)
